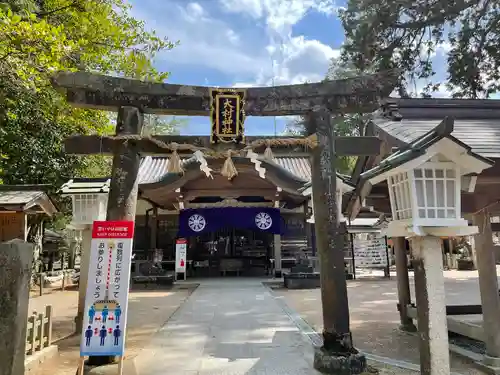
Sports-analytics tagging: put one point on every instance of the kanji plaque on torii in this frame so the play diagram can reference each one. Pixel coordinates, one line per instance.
(318, 101)
(227, 115)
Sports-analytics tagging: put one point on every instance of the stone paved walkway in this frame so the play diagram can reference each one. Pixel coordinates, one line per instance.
(228, 327)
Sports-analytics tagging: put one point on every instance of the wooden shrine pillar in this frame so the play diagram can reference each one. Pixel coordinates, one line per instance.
(404, 296)
(277, 250)
(337, 336)
(123, 189)
(84, 270)
(488, 287)
(154, 229)
(308, 228)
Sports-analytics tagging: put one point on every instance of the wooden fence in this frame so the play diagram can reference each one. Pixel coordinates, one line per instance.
(39, 331)
(65, 280)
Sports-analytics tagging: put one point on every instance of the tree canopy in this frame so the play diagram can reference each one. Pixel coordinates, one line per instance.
(38, 38)
(407, 34)
(348, 125)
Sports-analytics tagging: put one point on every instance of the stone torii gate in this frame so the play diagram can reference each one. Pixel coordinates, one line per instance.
(317, 101)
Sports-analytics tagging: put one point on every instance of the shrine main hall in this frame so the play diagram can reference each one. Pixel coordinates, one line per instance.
(241, 216)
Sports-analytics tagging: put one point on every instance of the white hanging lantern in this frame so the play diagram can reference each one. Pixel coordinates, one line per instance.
(425, 182)
(88, 208)
(90, 200)
(428, 195)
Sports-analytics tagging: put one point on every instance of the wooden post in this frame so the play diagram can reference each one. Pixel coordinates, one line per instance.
(353, 258)
(41, 281)
(277, 255)
(277, 250)
(124, 186)
(120, 363)
(84, 270)
(154, 228)
(48, 327)
(337, 336)
(81, 366)
(40, 325)
(387, 270)
(488, 287)
(32, 322)
(404, 296)
(307, 227)
(431, 306)
(153, 232)
(336, 332)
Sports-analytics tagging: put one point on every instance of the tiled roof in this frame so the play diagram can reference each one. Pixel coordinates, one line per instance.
(483, 136)
(16, 197)
(477, 122)
(298, 165)
(417, 148)
(27, 197)
(152, 169)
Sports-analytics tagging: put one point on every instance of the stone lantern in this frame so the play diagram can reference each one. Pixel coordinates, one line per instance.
(343, 186)
(425, 180)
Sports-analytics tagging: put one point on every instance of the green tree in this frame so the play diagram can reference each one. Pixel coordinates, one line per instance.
(348, 125)
(163, 125)
(406, 34)
(39, 38)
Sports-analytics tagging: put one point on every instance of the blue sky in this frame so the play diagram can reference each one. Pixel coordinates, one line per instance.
(244, 43)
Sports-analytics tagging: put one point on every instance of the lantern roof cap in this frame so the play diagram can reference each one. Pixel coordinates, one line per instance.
(437, 141)
(86, 186)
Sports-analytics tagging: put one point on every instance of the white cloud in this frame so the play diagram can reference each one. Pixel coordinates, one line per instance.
(221, 44)
(295, 59)
(204, 40)
(279, 15)
(194, 10)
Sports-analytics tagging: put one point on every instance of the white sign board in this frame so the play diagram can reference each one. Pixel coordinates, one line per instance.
(106, 299)
(370, 253)
(180, 255)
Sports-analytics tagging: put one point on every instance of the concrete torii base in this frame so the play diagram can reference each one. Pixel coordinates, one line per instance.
(327, 363)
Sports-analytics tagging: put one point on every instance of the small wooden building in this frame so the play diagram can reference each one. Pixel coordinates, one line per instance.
(19, 204)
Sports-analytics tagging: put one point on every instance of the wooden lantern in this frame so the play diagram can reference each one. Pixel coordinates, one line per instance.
(88, 208)
(425, 180)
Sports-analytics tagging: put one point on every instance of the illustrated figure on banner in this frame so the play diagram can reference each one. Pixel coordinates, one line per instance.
(104, 314)
(117, 313)
(88, 335)
(117, 333)
(102, 334)
(91, 314)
